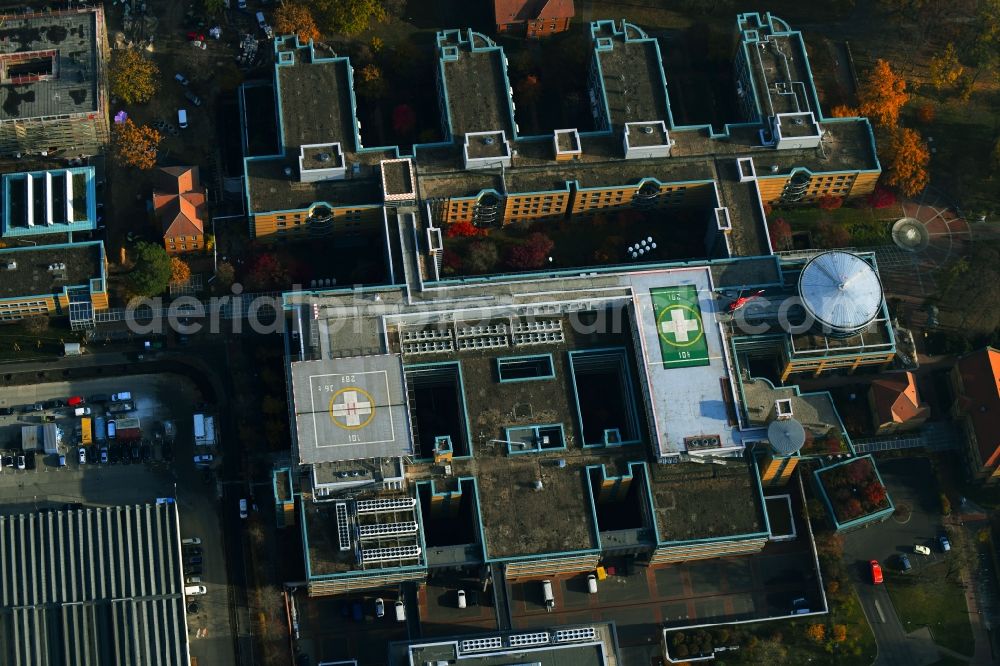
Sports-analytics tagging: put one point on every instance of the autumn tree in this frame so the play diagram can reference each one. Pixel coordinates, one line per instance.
(179, 270)
(907, 164)
(528, 89)
(294, 18)
(946, 70)
(348, 17)
(132, 77)
(532, 253)
(843, 111)
(267, 272)
(370, 82)
(135, 145)
(482, 256)
(882, 94)
(926, 113)
(816, 632)
(829, 202)
(404, 119)
(839, 633)
(781, 234)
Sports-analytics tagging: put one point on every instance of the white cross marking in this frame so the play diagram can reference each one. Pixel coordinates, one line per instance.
(679, 325)
(351, 410)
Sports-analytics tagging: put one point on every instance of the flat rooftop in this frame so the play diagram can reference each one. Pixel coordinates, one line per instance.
(315, 98)
(632, 78)
(682, 346)
(350, 409)
(273, 184)
(47, 202)
(592, 645)
(478, 99)
(105, 583)
(32, 277)
(50, 64)
(706, 501)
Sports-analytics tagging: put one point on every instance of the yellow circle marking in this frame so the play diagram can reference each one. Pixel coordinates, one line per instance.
(697, 318)
(364, 394)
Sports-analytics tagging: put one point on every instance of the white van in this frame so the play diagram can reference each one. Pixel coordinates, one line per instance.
(195, 590)
(550, 600)
(592, 583)
(182, 118)
(400, 612)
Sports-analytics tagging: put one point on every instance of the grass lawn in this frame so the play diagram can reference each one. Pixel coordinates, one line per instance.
(930, 598)
(858, 226)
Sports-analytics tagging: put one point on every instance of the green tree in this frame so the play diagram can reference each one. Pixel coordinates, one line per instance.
(152, 271)
(213, 7)
(225, 274)
(132, 77)
(945, 68)
(348, 17)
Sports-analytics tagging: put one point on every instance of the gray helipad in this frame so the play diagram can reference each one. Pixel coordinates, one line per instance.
(350, 408)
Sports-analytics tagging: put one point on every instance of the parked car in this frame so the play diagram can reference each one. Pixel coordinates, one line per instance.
(6, 411)
(20, 462)
(119, 397)
(191, 97)
(62, 461)
(83, 456)
(194, 560)
(82, 411)
(203, 459)
(192, 550)
(38, 407)
(243, 508)
(112, 429)
(904, 563)
(8, 461)
(104, 456)
(379, 607)
(461, 599)
(876, 571)
(944, 543)
(921, 550)
(54, 404)
(192, 580)
(75, 401)
(400, 611)
(195, 590)
(181, 79)
(191, 541)
(357, 611)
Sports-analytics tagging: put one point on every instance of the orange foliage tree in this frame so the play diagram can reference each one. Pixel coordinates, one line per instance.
(179, 270)
(908, 159)
(816, 632)
(840, 633)
(135, 145)
(843, 111)
(882, 94)
(293, 18)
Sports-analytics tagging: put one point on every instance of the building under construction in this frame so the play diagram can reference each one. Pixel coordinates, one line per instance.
(52, 83)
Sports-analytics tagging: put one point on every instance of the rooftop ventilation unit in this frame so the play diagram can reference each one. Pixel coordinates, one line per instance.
(646, 129)
(324, 157)
(783, 408)
(343, 529)
(385, 504)
(390, 554)
(10, 266)
(489, 141)
(287, 170)
(387, 529)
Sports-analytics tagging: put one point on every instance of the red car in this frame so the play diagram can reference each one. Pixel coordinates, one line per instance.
(195, 37)
(75, 401)
(876, 572)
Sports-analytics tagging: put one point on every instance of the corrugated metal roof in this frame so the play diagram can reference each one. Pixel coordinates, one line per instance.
(92, 586)
(841, 290)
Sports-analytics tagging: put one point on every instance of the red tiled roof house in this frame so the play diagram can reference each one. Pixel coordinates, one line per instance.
(896, 405)
(179, 204)
(533, 18)
(976, 383)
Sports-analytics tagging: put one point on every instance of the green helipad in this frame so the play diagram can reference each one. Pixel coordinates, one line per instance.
(679, 326)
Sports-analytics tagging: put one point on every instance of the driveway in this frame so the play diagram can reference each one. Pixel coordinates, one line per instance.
(910, 482)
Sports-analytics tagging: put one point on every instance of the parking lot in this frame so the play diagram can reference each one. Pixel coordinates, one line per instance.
(127, 478)
(346, 627)
(911, 484)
